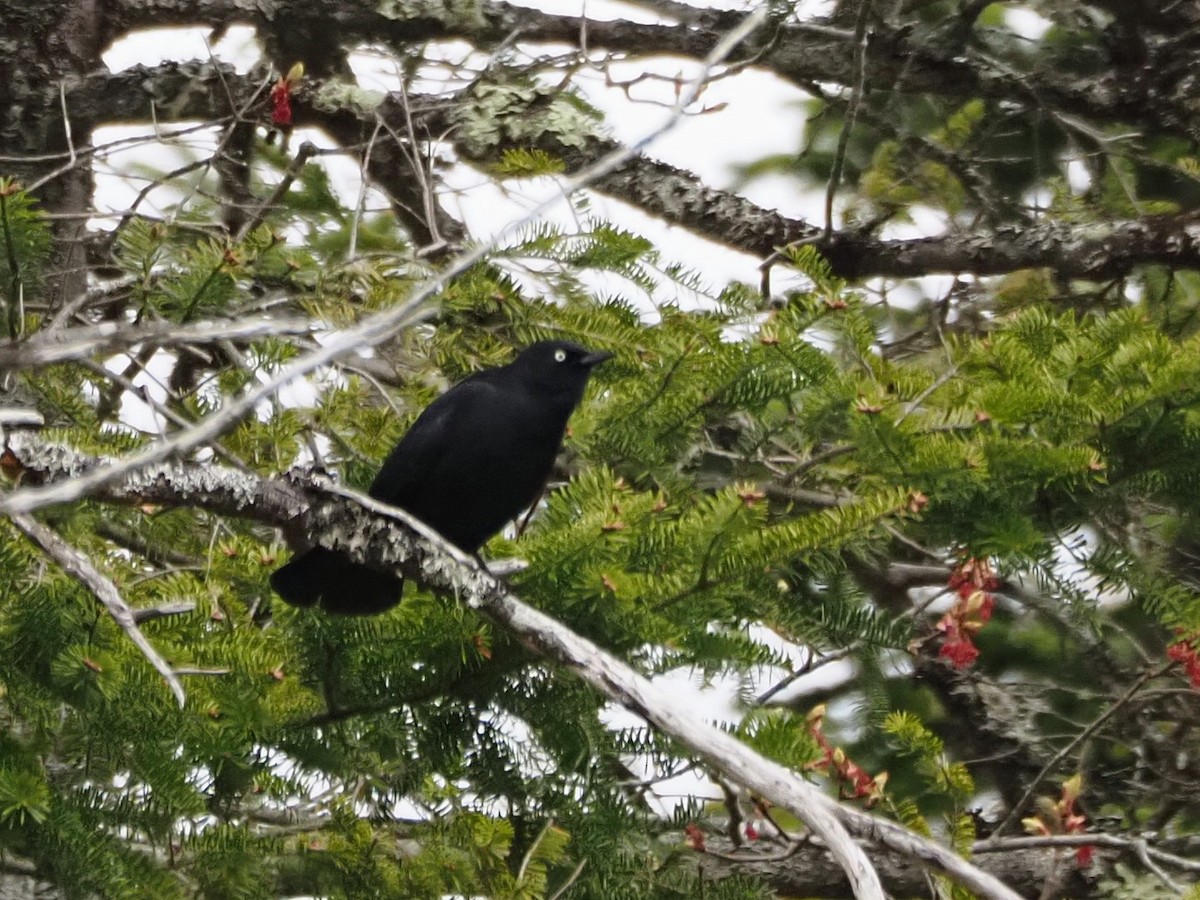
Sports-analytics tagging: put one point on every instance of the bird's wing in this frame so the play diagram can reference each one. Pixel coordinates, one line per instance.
(445, 423)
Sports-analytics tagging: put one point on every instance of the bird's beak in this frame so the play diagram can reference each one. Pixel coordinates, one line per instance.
(595, 358)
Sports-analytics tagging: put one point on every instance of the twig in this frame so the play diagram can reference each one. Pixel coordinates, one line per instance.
(62, 99)
(915, 403)
(150, 613)
(1098, 839)
(306, 152)
(860, 73)
(16, 286)
(134, 542)
(76, 564)
(1075, 742)
(363, 174)
(816, 459)
(131, 211)
(571, 879)
(93, 151)
(87, 298)
(1143, 855)
(65, 344)
(428, 195)
(533, 849)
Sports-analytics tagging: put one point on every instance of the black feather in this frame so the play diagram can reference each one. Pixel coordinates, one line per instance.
(475, 458)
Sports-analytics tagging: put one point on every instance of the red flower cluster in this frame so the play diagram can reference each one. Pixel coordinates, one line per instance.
(281, 104)
(853, 781)
(1063, 818)
(1183, 651)
(281, 97)
(972, 581)
(746, 815)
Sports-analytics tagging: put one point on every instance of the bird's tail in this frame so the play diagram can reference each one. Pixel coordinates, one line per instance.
(341, 586)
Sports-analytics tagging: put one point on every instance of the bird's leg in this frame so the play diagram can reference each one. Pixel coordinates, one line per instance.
(532, 506)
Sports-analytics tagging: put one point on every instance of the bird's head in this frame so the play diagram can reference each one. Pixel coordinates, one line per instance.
(558, 367)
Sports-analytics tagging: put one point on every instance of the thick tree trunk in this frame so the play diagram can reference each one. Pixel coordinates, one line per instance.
(46, 47)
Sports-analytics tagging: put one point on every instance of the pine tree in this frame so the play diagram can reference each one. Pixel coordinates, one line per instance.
(977, 511)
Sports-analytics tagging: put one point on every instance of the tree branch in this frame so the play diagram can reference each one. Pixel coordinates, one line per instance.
(805, 870)
(816, 50)
(1092, 251)
(60, 345)
(382, 536)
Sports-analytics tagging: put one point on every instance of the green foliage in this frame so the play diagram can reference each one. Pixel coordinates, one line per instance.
(24, 248)
(780, 735)
(747, 476)
(914, 740)
(23, 795)
(184, 280)
(518, 111)
(677, 533)
(948, 785)
(525, 163)
(1124, 883)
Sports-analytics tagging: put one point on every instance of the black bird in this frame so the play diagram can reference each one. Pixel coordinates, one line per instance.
(475, 458)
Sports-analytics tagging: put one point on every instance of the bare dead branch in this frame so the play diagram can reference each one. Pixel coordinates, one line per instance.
(65, 344)
(17, 417)
(1007, 845)
(805, 869)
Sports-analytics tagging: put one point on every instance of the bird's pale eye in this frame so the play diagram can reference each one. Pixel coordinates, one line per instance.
(560, 355)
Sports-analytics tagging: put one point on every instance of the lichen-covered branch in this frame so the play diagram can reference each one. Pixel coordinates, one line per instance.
(943, 62)
(1091, 251)
(382, 536)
